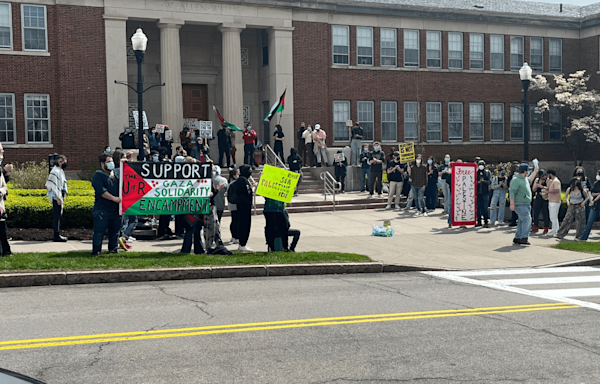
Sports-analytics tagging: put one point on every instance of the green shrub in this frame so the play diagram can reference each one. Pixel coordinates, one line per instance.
(79, 184)
(30, 175)
(36, 212)
(87, 171)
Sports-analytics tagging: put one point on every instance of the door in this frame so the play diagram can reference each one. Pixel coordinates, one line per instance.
(195, 102)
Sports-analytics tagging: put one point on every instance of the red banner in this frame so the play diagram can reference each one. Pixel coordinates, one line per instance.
(464, 193)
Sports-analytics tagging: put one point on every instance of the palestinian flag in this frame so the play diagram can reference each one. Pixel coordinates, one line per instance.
(277, 107)
(222, 120)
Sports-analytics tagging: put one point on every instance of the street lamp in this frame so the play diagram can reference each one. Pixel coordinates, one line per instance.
(525, 74)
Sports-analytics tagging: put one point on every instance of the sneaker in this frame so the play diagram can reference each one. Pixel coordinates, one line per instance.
(234, 241)
(379, 195)
(525, 241)
(244, 249)
(545, 231)
(397, 207)
(388, 207)
(122, 244)
(370, 196)
(95, 253)
(418, 214)
(486, 225)
(516, 241)
(425, 214)
(60, 239)
(551, 234)
(131, 238)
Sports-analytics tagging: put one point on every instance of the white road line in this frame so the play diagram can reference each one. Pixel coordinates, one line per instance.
(523, 271)
(574, 292)
(455, 277)
(548, 280)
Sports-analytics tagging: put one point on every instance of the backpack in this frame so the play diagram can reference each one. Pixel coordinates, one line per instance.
(232, 196)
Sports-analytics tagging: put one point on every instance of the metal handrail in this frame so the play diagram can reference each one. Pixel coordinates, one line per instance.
(272, 159)
(330, 186)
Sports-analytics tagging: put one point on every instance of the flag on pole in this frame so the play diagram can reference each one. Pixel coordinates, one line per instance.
(223, 122)
(277, 107)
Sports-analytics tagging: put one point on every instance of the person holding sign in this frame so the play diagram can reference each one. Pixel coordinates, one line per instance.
(340, 164)
(520, 201)
(396, 173)
(106, 206)
(356, 134)
(484, 180)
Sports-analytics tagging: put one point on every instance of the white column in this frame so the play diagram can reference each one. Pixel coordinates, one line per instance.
(116, 69)
(233, 93)
(170, 72)
(281, 76)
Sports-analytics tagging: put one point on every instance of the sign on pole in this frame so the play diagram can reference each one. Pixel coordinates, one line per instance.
(464, 193)
(149, 188)
(407, 152)
(277, 184)
(160, 128)
(135, 117)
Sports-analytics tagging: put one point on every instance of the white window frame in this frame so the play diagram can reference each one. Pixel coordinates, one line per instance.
(347, 28)
(496, 121)
(391, 107)
(457, 120)
(517, 108)
(12, 96)
(10, 32)
(366, 123)
(531, 54)
(471, 51)
(492, 52)
(473, 122)
(429, 51)
(359, 57)
(412, 64)
(452, 35)
(25, 96)
(346, 135)
(550, 56)
(536, 124)
(554, 124)
(432, 123)
(23, 26)
(413, 119)
(518, 59)
(395, 47)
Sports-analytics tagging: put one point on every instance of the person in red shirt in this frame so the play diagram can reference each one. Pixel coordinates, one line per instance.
(249, 139)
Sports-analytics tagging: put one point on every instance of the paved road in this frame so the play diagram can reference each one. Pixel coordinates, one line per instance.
(409, 327)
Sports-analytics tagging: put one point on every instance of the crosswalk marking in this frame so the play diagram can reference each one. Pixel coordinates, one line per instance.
(549, 277)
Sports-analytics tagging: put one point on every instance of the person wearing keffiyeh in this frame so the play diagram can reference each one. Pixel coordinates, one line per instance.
(57, 191)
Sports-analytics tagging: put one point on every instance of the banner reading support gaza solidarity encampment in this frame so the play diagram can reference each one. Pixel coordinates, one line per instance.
(277, 184)
(148, 188)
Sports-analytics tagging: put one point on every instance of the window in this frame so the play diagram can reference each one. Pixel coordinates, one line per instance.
(476, 121)
(411, 48)
(37, 118)
(434, 49)
(434, 121)
(476, 50)
(364, 45)
(388, 47)
(536, 53)
(555, 55)
(555, 125)
(497, 122)
(455, 122)
(365, 118)
(497, 52)
(5, 26)
(455, 50)
(340, 45)
(536, 124)
(389, 121)
(341, 114)
(516, 122)
(265, 47)
(33, 19)
(516, 53)
(411, 121)
(7, 118)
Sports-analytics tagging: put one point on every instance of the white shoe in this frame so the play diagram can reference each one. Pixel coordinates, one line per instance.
(397, 206)
(418, 214)
(131, 238)
(425, 214)
(234, 241)
(244, 249)
(388, 207)
(379, 195)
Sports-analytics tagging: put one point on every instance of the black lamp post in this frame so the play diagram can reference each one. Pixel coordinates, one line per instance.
(525, 74)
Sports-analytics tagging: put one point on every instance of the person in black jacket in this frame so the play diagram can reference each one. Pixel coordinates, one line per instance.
(243, 192)
(340, 163)
(376, 160)
(431, 191)
(224, 141)
(127, 138)
(295, 163)
(484, 180)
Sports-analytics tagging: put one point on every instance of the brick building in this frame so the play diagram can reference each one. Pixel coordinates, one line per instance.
(441, 73)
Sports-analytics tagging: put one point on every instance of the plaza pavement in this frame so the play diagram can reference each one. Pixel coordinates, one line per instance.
(420, 242)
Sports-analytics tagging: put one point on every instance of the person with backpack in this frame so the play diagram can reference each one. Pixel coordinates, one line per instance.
(241, 195)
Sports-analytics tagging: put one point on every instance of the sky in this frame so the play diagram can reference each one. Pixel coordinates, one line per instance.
(573, 2)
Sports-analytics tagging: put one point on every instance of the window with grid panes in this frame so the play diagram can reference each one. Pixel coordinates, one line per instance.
(5, 26)
(364, 45)
(365, 118)
(411, 48)
(476, 121)
(434, 49)
(455, 50)
(555, 55)
(37, 118)
(455, 121)
(388, 47)
(516, 122)
(341, 114)
(497, 122)
(389, 121)
(340, 44)
(7, 118)
(536, 124)
(34, 27)
(516, 53)
(497, 52)
(536, 53)
(411, 121)
(555, 128)
(476, 43)
(434, 121)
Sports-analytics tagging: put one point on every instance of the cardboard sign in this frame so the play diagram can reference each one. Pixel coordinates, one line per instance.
(348, 123)
(407, 152)
(137, 124)
(339, 157)
(464, 193)
(277, 184)
(190, 123)
(149, 188)
(160, 128)
(168, 134)
(206, 129)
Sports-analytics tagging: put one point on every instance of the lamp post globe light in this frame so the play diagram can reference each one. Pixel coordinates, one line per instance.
(525, 74)
(139, 41)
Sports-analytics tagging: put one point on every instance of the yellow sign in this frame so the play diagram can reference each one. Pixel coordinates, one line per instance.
(407, 152)
(277, 184)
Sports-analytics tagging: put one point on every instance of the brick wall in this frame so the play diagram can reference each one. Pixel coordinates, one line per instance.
(74, 75)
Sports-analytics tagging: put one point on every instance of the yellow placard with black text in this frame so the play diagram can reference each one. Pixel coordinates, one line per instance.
(277, 184)
(407, 152)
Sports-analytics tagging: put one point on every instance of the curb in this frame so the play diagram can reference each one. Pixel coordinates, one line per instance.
(164, 274)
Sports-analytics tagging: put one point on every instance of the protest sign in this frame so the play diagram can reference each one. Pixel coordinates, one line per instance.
(348, 123)
(160, 128)
(464, 193)
(206, 129)
(339, 157)
(277, 184)
(191, 123)
(137, 124)
(168, 134)
(407, 152)
(149, 188)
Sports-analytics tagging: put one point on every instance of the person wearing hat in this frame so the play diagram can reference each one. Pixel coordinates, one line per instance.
(484, 180)
(395, 173)
(520, 201)
(319, 138)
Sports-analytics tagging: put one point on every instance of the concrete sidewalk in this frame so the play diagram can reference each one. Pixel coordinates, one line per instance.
(419, 242)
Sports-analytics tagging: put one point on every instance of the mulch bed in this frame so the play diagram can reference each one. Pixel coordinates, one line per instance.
(36, 234)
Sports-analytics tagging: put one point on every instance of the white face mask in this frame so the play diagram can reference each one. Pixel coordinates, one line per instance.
(481, 167)
(418, 161)
(598, 177)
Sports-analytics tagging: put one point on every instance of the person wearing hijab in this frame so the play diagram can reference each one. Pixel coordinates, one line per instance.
(340, 163)
(243, 192)
(278, 138)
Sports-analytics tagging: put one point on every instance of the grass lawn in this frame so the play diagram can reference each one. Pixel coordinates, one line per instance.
(580, 247)
(72, 261)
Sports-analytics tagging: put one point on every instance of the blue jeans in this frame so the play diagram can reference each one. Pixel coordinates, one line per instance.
(524, 224)
(498, 205)
(590, 221)
(356, 148)
(418, 195)
(103, 221)
(128, 224)
(447, 195)
(364, 174)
